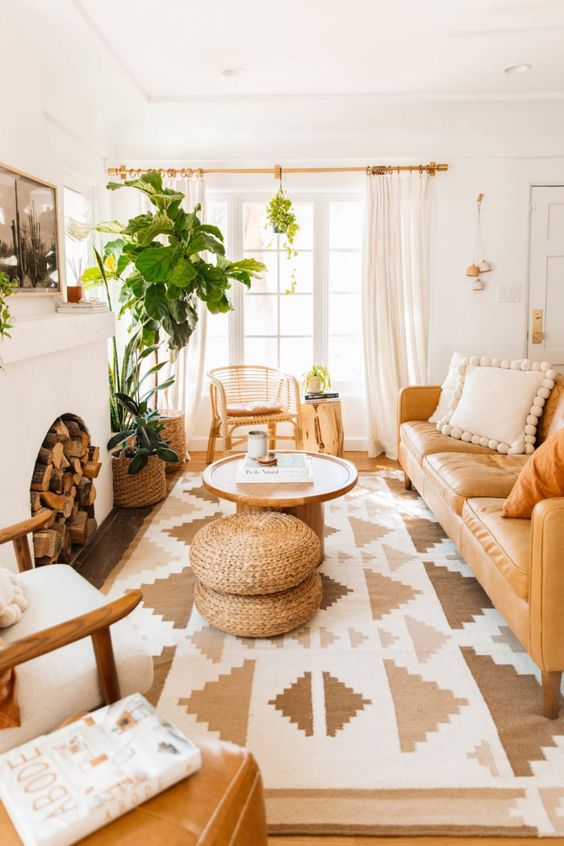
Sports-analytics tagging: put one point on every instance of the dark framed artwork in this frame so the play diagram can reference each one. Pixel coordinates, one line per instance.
(29, 233)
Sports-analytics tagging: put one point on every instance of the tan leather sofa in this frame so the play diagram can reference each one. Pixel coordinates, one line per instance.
(519, 563)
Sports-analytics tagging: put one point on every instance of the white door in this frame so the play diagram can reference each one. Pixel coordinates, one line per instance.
(546, 275)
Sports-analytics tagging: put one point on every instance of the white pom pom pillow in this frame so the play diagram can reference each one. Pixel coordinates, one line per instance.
(497, 403)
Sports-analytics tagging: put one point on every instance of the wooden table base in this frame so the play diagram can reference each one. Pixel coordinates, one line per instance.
(311, 514)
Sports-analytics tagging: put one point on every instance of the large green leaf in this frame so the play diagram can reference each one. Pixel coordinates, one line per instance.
(156, 303)
(138, 461)
(110, 227)
(155, 263)
(182, 273)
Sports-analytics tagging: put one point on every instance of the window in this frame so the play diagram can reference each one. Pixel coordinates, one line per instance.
(321, 322)
(77, 234)
(278, 326)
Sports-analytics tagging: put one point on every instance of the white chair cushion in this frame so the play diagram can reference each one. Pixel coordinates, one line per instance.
(64, 682)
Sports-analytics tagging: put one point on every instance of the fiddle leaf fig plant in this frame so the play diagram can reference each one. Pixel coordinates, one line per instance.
(160, 262)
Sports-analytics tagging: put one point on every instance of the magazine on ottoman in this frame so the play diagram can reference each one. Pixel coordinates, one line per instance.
(62, 786)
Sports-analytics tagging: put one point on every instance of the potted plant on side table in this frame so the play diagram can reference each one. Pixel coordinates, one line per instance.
(138, 466)
(317, 380)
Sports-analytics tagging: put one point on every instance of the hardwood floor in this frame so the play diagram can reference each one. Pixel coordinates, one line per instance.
(113, 537)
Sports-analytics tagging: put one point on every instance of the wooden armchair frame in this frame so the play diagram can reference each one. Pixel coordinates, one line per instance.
(246, 383)
(94, 624)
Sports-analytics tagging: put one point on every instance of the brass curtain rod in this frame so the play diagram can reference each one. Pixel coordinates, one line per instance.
(431, 168)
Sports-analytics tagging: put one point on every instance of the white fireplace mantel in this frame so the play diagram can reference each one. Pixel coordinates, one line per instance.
(52, 365)
(33, 337)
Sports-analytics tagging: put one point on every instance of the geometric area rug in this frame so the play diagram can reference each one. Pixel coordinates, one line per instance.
(404, 707)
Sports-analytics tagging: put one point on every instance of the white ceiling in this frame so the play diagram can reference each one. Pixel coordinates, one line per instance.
(324, 79)
(176, 49)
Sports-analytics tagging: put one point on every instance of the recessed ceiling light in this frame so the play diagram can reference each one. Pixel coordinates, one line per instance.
(518, 69)
(233, 72)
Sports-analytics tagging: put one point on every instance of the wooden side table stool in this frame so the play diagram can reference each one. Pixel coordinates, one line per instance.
(322, 422)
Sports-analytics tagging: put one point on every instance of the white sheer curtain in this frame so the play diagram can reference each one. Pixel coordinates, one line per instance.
(188, 369)
(395, 297)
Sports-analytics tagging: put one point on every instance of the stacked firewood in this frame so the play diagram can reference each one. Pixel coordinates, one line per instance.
(63, 485)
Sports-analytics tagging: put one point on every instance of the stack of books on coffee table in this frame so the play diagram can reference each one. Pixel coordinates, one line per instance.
(294, 468)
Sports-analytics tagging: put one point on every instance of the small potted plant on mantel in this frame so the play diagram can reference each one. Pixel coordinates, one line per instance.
(317, 380)
(139, 468)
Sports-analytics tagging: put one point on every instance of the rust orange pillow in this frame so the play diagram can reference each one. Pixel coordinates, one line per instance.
(542, 477)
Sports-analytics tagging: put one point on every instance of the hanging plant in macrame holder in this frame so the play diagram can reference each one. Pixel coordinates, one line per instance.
(479, 265)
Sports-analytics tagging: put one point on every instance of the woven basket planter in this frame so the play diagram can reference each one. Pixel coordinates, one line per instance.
(254, 554)
(260, 616)
(144, 488)
(174, 434)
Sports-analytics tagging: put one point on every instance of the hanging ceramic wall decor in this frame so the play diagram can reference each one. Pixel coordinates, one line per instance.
(480, 265)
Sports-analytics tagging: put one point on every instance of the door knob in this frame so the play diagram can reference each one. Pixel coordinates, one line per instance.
(538, 334)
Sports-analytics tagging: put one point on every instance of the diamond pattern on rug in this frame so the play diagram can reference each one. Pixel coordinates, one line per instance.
(172, 598)
(514, 702)
(224, 703)
(296, 703)
(185, 531)
(210, 641)
(202, 493)
(326, 638)
(366, 532)
(424, 533)
(396, 558)
(421, 706)
(506, 636)
(483, 755)
(357, 638)
(397, 488)
(341, 704)
(553, 801)
(426, 639)
(332, 591)
(387, 594)
(461, 597)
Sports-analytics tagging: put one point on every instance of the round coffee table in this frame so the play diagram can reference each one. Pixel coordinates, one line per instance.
(332, 477)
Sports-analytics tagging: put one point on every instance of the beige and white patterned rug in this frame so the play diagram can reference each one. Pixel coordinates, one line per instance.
(406, 706)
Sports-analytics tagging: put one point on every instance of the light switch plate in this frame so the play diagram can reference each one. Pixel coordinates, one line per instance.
(508, 295)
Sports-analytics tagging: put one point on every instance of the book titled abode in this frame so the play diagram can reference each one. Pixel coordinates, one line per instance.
(65, 785)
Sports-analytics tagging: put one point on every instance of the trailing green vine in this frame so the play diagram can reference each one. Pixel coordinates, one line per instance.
(6, 288)
(281, 216)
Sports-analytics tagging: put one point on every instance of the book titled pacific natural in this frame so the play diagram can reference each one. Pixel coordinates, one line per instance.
(293, 467)
(63, 786)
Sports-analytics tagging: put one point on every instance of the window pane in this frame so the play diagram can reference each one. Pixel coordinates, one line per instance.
(217, 213)
(296, 355)
(301, 266)
(345, 225)
(345, 359)
(257, 234)
(296, 314)
(345, 315)
(261, 351)
(304, 238)
(345, 271)
(268, 281)
(261, 314)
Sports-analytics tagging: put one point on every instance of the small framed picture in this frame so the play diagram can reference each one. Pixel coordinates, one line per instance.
(29, 233)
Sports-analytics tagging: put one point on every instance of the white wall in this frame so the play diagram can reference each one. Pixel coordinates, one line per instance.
(475, 322)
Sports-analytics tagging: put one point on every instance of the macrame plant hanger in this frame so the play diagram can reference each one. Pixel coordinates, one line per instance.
(479, 265)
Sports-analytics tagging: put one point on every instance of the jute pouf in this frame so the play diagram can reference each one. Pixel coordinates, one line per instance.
(256, 573)
(260, 616)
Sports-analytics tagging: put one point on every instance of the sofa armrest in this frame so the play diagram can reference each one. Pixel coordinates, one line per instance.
(546, 584)
(417, 402)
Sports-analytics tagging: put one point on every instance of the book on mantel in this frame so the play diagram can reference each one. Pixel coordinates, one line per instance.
(62, 786)
(294, 467)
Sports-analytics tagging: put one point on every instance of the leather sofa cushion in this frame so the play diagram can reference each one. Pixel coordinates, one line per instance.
(507, 541)
(421, 438)
(553, 414)
(457, 476)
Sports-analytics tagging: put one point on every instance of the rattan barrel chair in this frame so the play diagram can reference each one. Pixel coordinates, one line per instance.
(252, 395)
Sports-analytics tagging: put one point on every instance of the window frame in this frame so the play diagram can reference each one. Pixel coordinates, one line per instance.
(321, 250)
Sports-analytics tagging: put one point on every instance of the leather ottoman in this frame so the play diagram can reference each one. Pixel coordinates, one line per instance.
(221, 805)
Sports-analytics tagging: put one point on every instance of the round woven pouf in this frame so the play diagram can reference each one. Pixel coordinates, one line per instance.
(256, 573)
(252, 554)
(260, 616)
